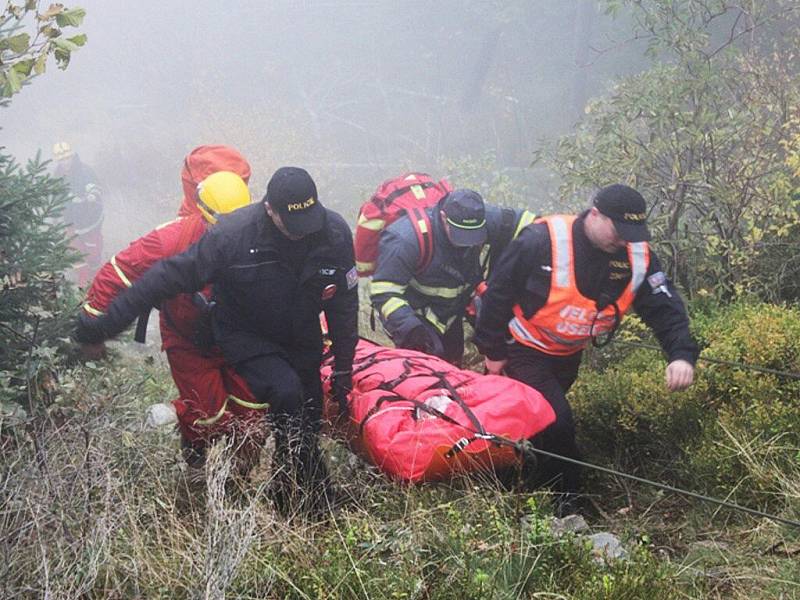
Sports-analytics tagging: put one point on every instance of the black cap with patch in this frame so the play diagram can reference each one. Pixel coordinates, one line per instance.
(466, 216)
(293, 195)
(626, 208)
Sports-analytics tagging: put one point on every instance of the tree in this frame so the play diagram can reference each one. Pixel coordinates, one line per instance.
(29, 37)
(702, 134)
(34, 247)
(34, 298)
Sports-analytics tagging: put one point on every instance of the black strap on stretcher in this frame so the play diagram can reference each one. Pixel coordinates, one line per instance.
(409, 367)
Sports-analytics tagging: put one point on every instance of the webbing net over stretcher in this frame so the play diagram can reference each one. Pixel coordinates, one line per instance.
(418, 418)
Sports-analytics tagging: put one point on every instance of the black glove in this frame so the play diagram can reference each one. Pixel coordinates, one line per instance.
(341, 386)
(424, 339)
(90, 330)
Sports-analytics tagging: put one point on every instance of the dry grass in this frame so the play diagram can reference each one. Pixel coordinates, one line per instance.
(108, 509)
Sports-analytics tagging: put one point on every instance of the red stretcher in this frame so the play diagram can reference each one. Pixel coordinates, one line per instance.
(418, 418)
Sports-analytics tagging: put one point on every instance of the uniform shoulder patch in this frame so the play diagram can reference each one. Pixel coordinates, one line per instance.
(352, 278)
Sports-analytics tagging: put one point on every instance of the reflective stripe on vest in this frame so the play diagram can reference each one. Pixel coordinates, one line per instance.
(418, 192)
(562, 250)
(568, 320)
(252, 405)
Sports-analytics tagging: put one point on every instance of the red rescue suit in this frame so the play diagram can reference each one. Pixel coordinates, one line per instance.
(213, 398)
(569, 320)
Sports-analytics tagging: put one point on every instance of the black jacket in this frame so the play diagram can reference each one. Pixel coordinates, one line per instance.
(522, 276)
(268, 290)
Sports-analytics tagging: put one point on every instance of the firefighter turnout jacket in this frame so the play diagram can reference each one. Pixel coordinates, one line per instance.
(439, 294)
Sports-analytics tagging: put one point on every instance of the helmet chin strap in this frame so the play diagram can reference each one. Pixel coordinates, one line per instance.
(211, 212)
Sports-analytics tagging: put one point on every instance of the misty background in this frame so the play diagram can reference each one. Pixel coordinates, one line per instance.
(354, 91)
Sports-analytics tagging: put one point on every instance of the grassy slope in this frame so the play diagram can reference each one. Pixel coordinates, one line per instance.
(107, 511)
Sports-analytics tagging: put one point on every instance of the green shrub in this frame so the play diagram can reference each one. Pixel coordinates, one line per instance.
(626, 413)
(751, 439)
(735, 428)
(35, 300)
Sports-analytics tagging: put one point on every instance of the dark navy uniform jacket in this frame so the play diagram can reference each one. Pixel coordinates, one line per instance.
(437, 296)
(522, 276)
(268, 290)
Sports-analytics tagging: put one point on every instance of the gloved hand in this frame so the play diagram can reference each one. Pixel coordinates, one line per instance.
(424, 339)
(90, 330)
(341, 386)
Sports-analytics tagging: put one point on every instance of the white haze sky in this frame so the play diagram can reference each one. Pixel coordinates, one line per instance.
(355, 91)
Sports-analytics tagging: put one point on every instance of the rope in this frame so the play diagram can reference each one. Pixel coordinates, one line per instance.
(719, 361)
(525, 446)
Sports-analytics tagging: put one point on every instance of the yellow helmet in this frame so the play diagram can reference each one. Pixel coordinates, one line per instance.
(62, 151)
(221, 192)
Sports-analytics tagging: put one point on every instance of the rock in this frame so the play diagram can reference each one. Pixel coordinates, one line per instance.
(606, 547)
(568, 524)
(160, 414)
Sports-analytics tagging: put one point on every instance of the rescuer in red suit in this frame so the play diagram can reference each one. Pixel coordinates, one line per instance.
(213, 399)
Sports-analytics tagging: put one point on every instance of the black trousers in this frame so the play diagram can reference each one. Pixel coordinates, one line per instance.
(552, 376)
(295, 412)
(289, 393)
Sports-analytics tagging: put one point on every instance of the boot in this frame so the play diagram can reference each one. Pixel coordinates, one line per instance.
(194, 453)
(300, 483)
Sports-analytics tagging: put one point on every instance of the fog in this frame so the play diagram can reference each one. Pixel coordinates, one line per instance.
(354, 91)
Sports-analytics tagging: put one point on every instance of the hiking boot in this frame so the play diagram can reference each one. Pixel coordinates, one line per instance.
(301, 484)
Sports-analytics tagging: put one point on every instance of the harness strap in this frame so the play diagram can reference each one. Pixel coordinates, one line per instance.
(400, 191)
(422, 227)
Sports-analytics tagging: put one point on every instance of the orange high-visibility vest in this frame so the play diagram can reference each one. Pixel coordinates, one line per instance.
(569, 320)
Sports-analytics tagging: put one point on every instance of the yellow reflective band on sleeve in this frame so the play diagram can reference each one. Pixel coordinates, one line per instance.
(385, 287)
(526, 219)
(92, 310)
(418, 192)
(213, 419)
(371, 224)
(253, 405)
(365, 267)
(120, 274)
(431, 317)
(439, 292)
(392, 305)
